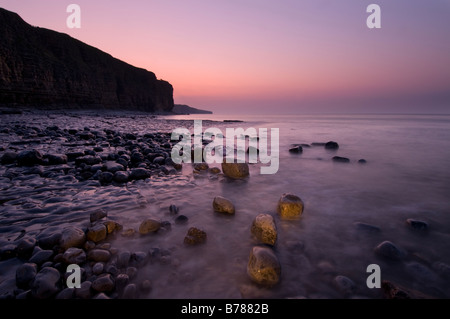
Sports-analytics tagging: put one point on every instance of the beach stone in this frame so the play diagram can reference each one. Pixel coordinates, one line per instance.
(113, 167)
(56, 159)
(72, 237)
(121, 177)
(195, 236)
(29, 158)
(105, 178)
(139, 173)
(48, 240)
(96, 233)
(296, 149)
(173, 209)
(41, 257)
(98, 268)
(129, 292)
(389, 250)
(332, 145)
(367, 227)
(112, 226)
(46, 283)
(417, 224)
(131, 272)
(8, 158)
(180, 220)
(344, 285)
(362, 161)
(104, 283)
(138, 259)
(236, 170)
(214, 170)
(85, 291)
(7, 251)
(88, 245)
(201, 166)
(88, 160)
(341, 159)
(66, 294)
(123, 259)
(101, 296)
(25, 247)
(263, 266)
(149, 226)
(128, 233)
(74, 256)
(25, 274)
(264, 229)
(394, 291)
(99, 255)
(122, 281)
(223, 205)
(97, 215)
(290, 206)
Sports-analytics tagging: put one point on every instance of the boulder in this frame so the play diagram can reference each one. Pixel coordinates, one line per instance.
(29, 158)
(331, 145)
(235, 170)
(264, 229)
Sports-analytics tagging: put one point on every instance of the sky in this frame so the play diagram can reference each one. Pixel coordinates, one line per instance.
(267, 56)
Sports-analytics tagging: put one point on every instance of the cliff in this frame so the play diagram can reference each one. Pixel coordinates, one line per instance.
(186, 109)
(44, 68)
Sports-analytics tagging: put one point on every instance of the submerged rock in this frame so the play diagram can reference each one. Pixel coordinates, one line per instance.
(332, 145)
(235, 170)
(290, 206)
(296, 149)
(417, 224)
(340, 159)
(223, 205)
(264, 229)
(389, 250)
(263, 266)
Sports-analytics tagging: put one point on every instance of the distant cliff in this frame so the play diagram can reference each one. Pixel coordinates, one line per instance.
(44, 68)
(186, 109)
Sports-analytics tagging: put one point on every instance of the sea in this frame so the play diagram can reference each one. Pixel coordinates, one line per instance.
(349, 209)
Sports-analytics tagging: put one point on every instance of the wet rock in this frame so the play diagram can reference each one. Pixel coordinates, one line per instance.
(41, 257)
(296, 150)
(362, 161)
(89, 245)
(29, 158)
(139, 174)
(112, 226)
(71, 156)
(223, 205)
(96, 233)
(98, 268)
(48, 240)
(97, 215)
(290, 206)
(235, 170)
(129, 292)
(394, 291)
(101, 296)
(417, 224)
(138, 259)
(66, 294)
(195, 236)
(181, 220)
(99, 255)
(25, 274)
(263, 266)
(340, 159)
(104, 283)
(264, 229)
(85, 291)
(331, 145)
(25, 247)
(123, 259)
(7, 251)
(345, 285)
(105, 178)
(389, 250)
(56, 159)
(149, 226)
(72, 237)
(121, 177)
(8, 158)
(74, 256)
(46, 283)
(122, 281)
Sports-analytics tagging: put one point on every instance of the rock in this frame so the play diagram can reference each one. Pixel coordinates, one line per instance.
(122, 281)
(149, 226)
(263, 266)
(112, 226)
(389, 250)
(223, 205)
(66, 294)
(88, 160)
(121, 177)
(296, 150)
(29, 158)
(345, 285)
(46, 283)
(41, 257)
(96, 233)
(331, 145)
(84, 292)
(367, 227)
(128, 233)
(129, 292)
(105, 178)
(395, 291)
(146, 286)
(7, 251)
(56, 159)
(201, 166)
(138, 259)
(235, 170)
(89, 245)
(25, 247)
(290, 206)
(97, 215)
(99, 255)
(72, 237)
(123, 259)
(180, 220)
(25, 275)
(264, 229)
(113, 167)
(340, 159)
(48, 239)
(98, 268)
(131, 272)
(362, 161)
(101, 296)
(421, 273)
(195, 236)
(104, 283)
(8, 158)
(74, 256)
(214, 170)
(139, 173)
(173, 210)
(417, 224)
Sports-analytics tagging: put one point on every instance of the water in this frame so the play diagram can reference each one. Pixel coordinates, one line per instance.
(406, 176)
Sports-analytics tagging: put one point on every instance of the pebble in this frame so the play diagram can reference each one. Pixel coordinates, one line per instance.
(129, 292)
(417, 224)
(181, 220)
(235, 170)
(84, 292)
(97, 215)
(41, 257)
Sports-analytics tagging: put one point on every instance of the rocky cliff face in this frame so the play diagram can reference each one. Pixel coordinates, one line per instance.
(44, 68)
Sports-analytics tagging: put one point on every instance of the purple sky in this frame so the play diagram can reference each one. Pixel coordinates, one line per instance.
(265, 56)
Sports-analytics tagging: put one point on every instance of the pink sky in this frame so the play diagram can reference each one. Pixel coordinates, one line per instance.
(264, 56)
